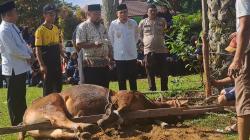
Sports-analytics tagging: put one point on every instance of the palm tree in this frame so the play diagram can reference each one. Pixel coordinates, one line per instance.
(221, 16)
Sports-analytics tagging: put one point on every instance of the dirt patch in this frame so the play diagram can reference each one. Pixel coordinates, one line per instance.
(154, 132)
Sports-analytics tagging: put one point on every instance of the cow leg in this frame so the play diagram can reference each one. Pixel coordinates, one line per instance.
(64, 122)
(58, 134)
(52, 108)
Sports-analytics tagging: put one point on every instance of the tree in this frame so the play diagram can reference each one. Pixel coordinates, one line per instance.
(109, 9)
(221, 18)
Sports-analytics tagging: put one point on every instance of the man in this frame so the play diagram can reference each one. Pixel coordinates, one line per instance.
(48, 51)
(240, 69)
(16, 58)
(123, 33)
(152, 35)
(165, 13)
(92, 38)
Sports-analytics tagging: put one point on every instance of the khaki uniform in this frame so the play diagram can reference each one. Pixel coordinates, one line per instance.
(95, 60)
(152, 36)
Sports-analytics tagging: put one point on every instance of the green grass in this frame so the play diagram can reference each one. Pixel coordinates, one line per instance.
(177, 85)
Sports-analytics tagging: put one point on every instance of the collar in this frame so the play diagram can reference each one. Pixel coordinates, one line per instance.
(7, 23)
(119, 21)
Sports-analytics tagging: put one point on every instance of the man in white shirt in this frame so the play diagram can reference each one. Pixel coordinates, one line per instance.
(16, 58)
(123, 33)
(240, 68)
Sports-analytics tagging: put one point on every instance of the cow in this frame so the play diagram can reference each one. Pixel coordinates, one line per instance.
(84, 100)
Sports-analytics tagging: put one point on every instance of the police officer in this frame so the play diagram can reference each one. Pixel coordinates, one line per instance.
(151, 30)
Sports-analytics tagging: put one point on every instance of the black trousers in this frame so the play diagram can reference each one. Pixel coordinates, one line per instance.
(53, 81)
(16, 97)
(96, 76)
(127, 70)
(52, 60)
(156, 65)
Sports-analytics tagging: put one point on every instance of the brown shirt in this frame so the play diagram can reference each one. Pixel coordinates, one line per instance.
(87, 32)
(152, 35)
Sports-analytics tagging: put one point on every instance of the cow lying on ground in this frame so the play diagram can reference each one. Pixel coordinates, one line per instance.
(83, 100)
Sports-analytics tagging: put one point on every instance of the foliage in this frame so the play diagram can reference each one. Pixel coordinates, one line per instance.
(184, 26)
(30, 14)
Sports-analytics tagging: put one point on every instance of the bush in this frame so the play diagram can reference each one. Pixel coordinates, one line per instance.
(178, 37)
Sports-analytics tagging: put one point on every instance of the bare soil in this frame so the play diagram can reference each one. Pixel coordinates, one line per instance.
(154, 132)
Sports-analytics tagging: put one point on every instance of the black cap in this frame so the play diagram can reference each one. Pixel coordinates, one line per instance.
(7, 6)
(121, 7)
(49, 8)
(151, 6)
(94, 7)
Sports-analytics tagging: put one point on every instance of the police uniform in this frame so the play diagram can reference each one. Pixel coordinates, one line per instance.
(95, 60)
(48, 40)
(14, 54)
(152, 35)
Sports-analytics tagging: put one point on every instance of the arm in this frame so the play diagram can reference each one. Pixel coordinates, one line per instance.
(140, 30)
(243, 38)
(222, 82)
(136, 32)
(11, 47)
(39, 56)
(81, 39)
(242, 42)
(111, 34)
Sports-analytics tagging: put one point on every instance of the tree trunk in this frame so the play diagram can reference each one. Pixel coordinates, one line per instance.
(221, 15)
(109, 11)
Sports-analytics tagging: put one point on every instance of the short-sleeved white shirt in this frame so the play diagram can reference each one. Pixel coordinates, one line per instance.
(242, 9)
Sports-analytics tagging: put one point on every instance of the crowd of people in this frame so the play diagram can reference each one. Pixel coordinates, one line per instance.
(97, 49)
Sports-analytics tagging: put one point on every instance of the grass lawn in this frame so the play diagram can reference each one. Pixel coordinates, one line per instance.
(176, 86)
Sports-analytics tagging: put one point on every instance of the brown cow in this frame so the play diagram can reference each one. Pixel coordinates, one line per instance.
(80, 101)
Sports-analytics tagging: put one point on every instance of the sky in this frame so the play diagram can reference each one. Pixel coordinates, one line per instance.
(83, 2)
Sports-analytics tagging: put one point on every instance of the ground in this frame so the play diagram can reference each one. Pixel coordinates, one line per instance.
(207, 127)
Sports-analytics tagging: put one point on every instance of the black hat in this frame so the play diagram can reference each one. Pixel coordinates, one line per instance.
(121, 7)
(151, 6)
(94, 7)
(7, 6)
(49, 8)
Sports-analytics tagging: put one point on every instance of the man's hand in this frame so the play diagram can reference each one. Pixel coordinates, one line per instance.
(234, 68)
(43, 70)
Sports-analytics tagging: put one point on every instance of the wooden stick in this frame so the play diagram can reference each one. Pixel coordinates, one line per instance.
(205, 49)
(150, 113)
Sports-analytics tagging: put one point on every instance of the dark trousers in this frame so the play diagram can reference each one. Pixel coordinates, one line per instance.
(52, 82)
(96, 76)
(127, 70)
(16, 97)
(156, 65)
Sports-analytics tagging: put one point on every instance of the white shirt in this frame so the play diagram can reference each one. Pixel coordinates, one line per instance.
(242, 9)
(124, 37)
(13, 49)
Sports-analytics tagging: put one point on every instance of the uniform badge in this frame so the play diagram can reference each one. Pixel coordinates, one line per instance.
(130, 26)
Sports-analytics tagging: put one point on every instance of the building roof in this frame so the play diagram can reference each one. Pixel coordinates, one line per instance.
(136, 8)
